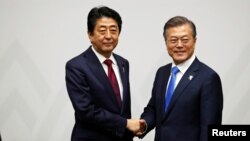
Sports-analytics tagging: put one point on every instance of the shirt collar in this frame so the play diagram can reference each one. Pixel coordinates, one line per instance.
(101, 58)
(185, 65)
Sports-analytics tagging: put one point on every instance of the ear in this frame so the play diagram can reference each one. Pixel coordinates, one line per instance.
(195, 39)
(90, 35)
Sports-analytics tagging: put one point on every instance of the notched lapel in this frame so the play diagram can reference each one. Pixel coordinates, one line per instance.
(185, 80)
(122, 71)
(164, 80)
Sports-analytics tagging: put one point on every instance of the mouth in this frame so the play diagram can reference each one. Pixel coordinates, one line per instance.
(179, 52)
(108, 43)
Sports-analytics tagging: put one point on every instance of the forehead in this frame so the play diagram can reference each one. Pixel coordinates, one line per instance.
(179, 31)
(106, 22)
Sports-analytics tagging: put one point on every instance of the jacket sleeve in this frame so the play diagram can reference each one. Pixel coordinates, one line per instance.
(149, 114)
(211, 103)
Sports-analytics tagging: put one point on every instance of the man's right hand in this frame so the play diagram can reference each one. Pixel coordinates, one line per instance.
(137, 126)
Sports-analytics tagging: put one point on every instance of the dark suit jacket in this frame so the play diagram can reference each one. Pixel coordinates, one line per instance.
(195, 104)
(97, 114)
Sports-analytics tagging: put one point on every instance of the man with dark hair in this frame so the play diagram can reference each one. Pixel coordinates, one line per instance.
(187, 94)
(98, 83)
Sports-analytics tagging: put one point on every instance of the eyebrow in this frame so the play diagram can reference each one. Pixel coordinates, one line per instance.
(108, 26)
(179, 37)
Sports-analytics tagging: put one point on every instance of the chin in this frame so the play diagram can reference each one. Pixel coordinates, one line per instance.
(108, 50)
(179, 60)
(108, 46)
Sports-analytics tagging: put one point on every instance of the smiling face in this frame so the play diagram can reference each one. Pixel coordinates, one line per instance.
(105, 36)
(180, 43)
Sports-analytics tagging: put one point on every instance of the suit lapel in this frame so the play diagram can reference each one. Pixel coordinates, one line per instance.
(189, 75)
(122, 70)
(166, 75)
(97, 69)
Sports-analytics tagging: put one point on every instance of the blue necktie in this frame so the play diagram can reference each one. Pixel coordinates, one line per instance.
(170, 88)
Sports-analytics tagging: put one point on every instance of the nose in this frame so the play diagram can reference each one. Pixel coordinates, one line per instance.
(108, 34)
(179, 43)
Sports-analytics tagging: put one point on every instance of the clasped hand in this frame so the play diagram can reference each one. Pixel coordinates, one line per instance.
(137, 126)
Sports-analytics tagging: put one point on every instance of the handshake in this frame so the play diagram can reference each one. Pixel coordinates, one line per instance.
(137, 126)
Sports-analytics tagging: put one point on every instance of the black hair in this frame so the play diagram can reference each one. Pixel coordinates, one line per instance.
(177, 21)
(103, 11)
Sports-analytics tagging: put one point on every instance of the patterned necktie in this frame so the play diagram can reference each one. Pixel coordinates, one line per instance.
(113, 80)
(171, 87)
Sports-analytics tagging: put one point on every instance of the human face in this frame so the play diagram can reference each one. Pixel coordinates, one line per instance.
(105, 36)
(180, 43)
